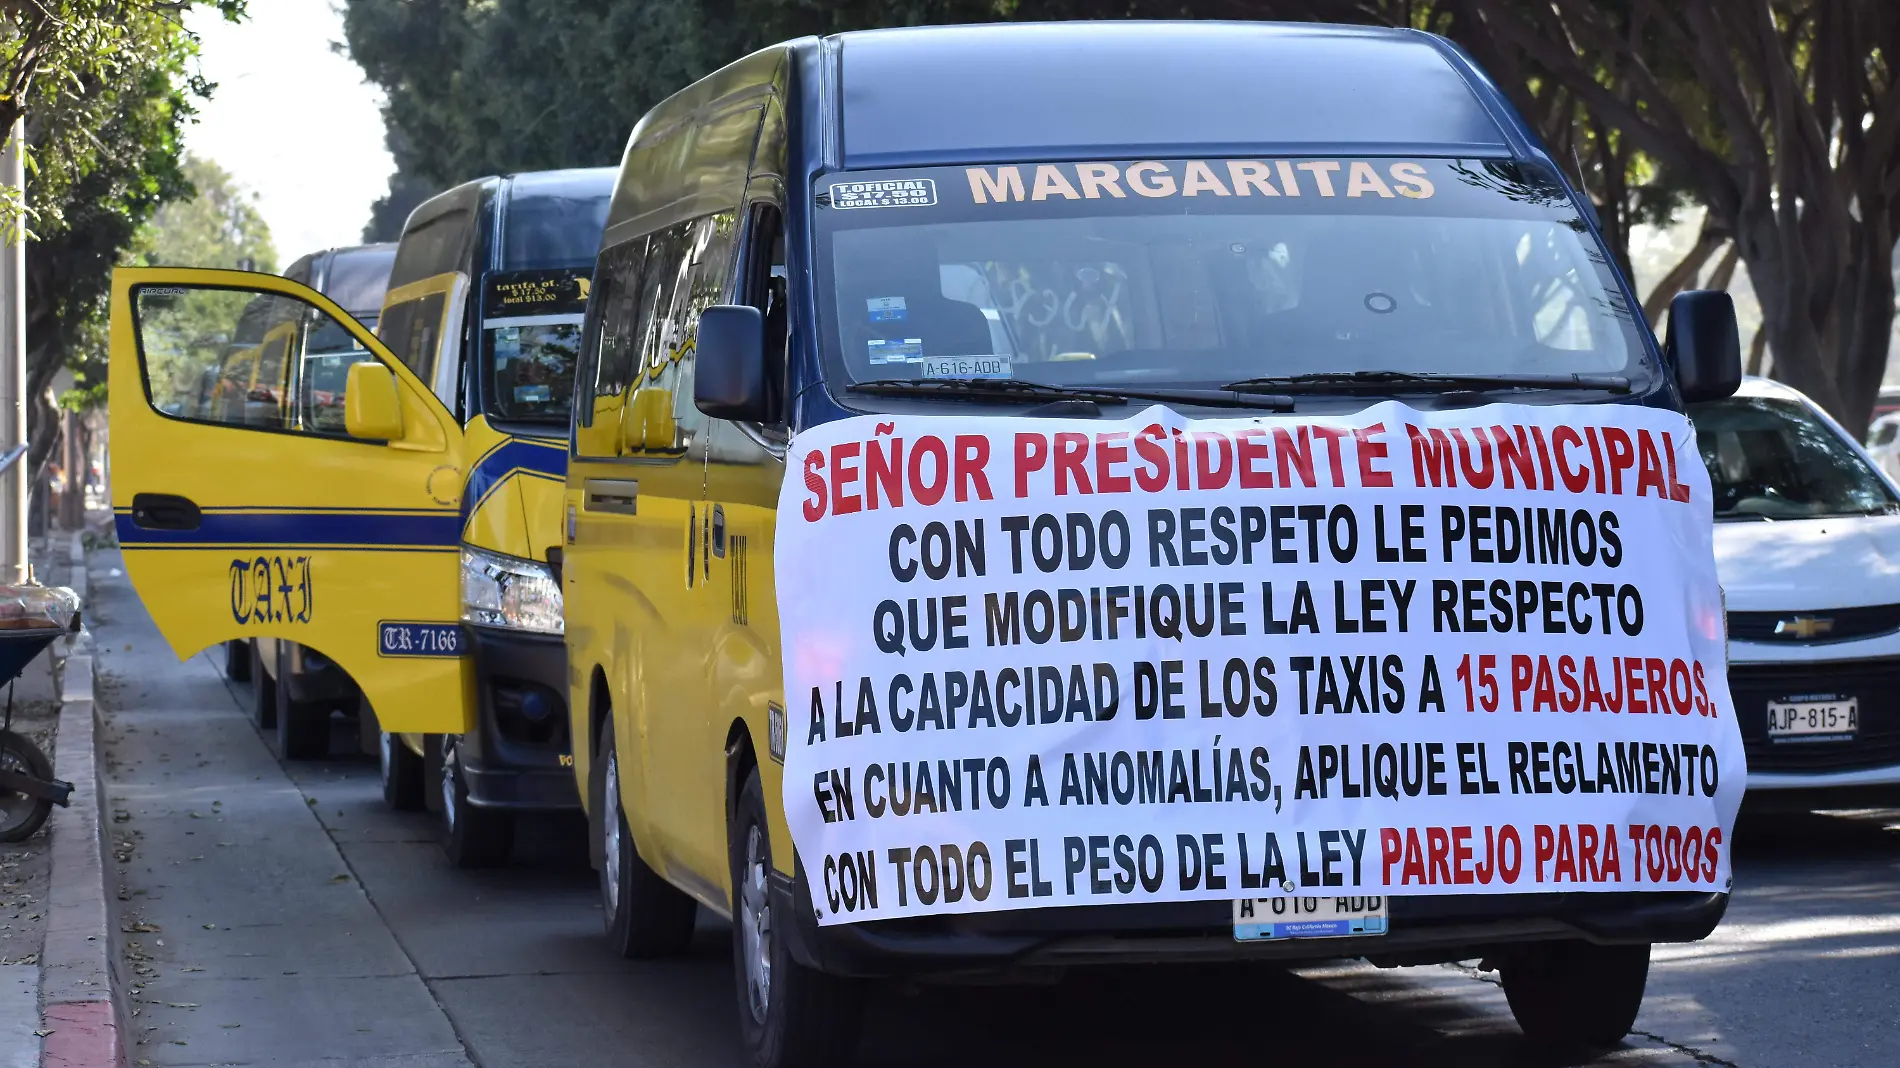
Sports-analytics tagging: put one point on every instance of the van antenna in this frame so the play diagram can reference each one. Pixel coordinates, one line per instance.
(1583, 180)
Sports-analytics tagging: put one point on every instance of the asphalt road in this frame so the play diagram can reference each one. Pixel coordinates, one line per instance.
(280, 914)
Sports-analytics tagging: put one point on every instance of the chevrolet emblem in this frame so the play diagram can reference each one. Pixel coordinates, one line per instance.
(1804, 627)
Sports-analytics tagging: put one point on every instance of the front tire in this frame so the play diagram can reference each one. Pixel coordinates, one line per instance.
(303, 727)
(263, 690)
(646, 916)
(21, 816)
(401, 772)
(472, 837)
(237, 661)
(790, 1016)
(1576, 995)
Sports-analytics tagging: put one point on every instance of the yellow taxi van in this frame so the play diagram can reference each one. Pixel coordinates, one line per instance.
(422, 499)
(773, 221)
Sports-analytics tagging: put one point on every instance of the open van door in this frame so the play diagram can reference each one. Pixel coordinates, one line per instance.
(246, 508)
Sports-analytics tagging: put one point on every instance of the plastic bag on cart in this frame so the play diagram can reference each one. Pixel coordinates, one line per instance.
(32, 607)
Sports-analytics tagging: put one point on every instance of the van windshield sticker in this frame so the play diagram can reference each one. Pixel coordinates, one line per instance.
(886, 193)
(1157, 179)
(895, 350)
(886, 309)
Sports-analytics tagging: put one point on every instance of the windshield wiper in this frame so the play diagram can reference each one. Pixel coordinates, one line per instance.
(1020, 390)
(1360, 381)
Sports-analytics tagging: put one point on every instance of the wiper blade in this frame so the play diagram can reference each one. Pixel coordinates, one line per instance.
(1016, 389)
(1354, 381)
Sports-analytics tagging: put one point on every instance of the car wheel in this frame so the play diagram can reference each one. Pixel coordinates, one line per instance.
(303, 727)
(401, 772)
(646, 916)
(1576, 995)
(473, 837)
(263, 690)
(790, 1016)
(237, 661)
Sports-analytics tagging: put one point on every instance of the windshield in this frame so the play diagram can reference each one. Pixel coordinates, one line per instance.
(1200, 272)
(1775, 459)
(531, 339)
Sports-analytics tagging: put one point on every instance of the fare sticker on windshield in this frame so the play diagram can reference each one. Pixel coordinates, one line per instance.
(886, 193)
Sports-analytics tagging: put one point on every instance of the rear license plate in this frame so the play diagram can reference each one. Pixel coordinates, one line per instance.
(1260, 919)
(1814, 721)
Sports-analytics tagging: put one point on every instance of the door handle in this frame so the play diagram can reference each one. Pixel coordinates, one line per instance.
(164, 511)
(620, 495)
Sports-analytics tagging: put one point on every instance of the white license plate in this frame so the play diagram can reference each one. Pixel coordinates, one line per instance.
(1259, 919)
(1806, 720)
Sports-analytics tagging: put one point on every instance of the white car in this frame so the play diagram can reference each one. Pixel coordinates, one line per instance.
(1807, 543)
(1883, 443)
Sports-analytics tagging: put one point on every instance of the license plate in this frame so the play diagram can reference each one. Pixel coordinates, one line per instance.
(1804, 721)
(1260, 919)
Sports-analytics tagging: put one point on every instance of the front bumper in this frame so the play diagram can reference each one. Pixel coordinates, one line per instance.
(1423, 930)
(519, 755)
(1871, 758)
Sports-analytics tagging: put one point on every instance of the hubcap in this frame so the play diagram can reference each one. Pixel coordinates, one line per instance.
(610, 838)
(448, 781)
(755, 924)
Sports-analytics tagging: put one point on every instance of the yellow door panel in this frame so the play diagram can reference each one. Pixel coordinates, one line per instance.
(262, 518)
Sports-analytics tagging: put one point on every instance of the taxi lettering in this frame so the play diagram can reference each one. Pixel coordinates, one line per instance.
(1192, 178)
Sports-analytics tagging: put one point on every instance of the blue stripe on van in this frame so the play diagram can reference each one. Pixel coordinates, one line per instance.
(409, 531)
(533, 457)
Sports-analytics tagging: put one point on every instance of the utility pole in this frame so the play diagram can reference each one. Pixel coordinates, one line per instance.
(13, 485)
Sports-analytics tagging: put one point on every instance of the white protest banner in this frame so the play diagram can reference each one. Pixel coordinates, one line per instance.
(1045, 662)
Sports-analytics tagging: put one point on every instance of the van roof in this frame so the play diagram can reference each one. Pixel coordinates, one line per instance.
(1127, 90)
(354, 276)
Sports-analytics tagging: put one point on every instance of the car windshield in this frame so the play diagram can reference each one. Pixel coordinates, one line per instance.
(1201, 272)
(1770, 458)
(531, 338)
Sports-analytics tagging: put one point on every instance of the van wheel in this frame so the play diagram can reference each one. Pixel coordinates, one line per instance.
(303, 727)
(646, 916)
(237, 661)
(473, 837)
(1576, 995)
(401, 772)
(790, 1016)
(263, 691)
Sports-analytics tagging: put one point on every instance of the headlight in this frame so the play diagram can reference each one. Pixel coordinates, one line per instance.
(506, 591)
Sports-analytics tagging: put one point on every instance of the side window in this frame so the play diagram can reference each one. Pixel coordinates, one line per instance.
(618, 352)
(229, 356)
(764, 287)
(413, 331)
(657, 341)
(687, 269)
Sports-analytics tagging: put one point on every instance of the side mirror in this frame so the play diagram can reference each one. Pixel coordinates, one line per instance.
(371, 406)
(1704, 345)
(729, 375)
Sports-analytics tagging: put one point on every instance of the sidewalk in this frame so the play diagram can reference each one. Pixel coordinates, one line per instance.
(245, 933)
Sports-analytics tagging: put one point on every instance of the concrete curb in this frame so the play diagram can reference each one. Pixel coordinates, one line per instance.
(82, 1008)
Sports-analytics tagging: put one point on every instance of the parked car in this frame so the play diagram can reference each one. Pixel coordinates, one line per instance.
(1807, 541)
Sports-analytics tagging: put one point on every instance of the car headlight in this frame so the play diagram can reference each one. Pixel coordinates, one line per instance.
(507, 591)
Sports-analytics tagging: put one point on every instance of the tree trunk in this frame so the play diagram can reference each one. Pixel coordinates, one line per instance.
(1683, 275)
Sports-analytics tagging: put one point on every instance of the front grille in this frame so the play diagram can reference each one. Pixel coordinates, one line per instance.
(1874, 683)
(1817, 627)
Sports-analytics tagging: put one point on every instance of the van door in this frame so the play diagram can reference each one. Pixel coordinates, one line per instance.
(264, 519)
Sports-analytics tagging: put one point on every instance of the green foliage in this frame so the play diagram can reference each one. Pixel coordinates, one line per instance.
(106, 88)
(219, 226)
(489, 86)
